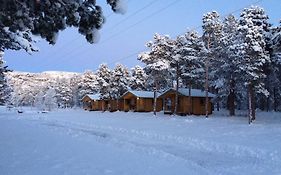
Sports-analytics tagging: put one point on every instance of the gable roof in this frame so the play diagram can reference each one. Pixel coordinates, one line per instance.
(93, 96)
(194, 92)
(141, 94)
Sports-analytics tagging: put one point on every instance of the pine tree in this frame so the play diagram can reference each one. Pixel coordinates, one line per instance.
(103, 78)
(50, 100)
(212, 30)
(119, 82)
(5, 89)
(138, 79)
(63, 92)
(157, 62)
(20, 20)
(251, 49)
(186, 60)
(224, 72)
(88, 84)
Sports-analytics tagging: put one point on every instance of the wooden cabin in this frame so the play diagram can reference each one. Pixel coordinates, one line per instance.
(91, 102)
(195, 104)
(139, 101)
(109, 105)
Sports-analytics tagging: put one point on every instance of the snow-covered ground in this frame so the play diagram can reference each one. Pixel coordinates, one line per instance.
(94, 143)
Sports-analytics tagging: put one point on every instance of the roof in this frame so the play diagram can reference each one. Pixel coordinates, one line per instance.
(194, 92)
(141, 94)
(93, 96)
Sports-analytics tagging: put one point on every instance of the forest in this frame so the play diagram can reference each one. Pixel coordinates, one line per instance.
(237, 58)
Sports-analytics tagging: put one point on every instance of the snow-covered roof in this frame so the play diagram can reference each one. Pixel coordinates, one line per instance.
(141, 94)
(194, 92)
(93, 96)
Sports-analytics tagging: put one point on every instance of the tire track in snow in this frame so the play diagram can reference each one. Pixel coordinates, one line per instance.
(170, 147)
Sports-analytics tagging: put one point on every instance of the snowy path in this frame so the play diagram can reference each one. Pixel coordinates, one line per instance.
(79, 142)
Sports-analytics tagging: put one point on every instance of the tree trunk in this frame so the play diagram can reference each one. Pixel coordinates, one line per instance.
(252, 115)
(231, 99)
(177, 90)
(189, 98)
(155, 96)
(207, 81)
(117, 105)
(274, 100)
(218, 101)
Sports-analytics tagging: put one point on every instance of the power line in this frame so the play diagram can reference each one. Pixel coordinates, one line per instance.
(128, 28)
(135, 13)
(160, 10)
(194, 28)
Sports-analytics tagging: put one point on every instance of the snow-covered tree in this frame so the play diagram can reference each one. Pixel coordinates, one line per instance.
(157, 62)
(224, 67)
(5, 90)
(103, 78)
(119, 81)
(139, 78)
(88, 84)
(63, 92)
(50, 100)
(251, 49)
(186, 60)
(20, 20)
(212, 32)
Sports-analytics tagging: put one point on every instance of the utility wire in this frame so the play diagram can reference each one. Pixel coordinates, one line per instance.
(81, 52)
(194, 28)
(160, 10)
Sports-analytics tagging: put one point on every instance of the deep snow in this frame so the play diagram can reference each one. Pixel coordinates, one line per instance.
(81, 142)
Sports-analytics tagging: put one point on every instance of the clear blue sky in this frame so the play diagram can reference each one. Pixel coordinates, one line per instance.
(123, 36)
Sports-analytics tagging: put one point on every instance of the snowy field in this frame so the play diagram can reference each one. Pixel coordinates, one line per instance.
(78, 142)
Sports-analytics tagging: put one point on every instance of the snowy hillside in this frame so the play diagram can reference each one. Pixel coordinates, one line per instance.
(46, 74)
(81, 142)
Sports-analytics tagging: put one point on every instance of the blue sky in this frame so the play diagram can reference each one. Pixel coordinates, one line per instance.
(123, 36)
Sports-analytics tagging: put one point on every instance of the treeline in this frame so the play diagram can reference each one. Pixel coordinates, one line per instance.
(50, 90)
(239, 59)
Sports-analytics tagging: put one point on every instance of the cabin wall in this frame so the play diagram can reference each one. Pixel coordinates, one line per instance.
(87, 103)
(95, 105)
(199, 106)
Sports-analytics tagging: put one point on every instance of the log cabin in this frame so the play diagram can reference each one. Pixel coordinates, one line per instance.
(91, 102)
(139, 101)
(193, 104)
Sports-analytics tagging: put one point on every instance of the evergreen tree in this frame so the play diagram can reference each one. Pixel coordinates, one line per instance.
(224, 72)
(251, 49)
(157, 62)
(22, 19)
(63, 93)
(138, 79)
(50, 100)
(119, 81)
(186, 60)
(88, 84)
(212, 32)
(5, 89)
(103, 78)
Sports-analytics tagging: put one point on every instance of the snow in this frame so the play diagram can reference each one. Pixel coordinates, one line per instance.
(93, 96)
(142, 94)
(121, 7)
(82, 142)
(194, 92)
